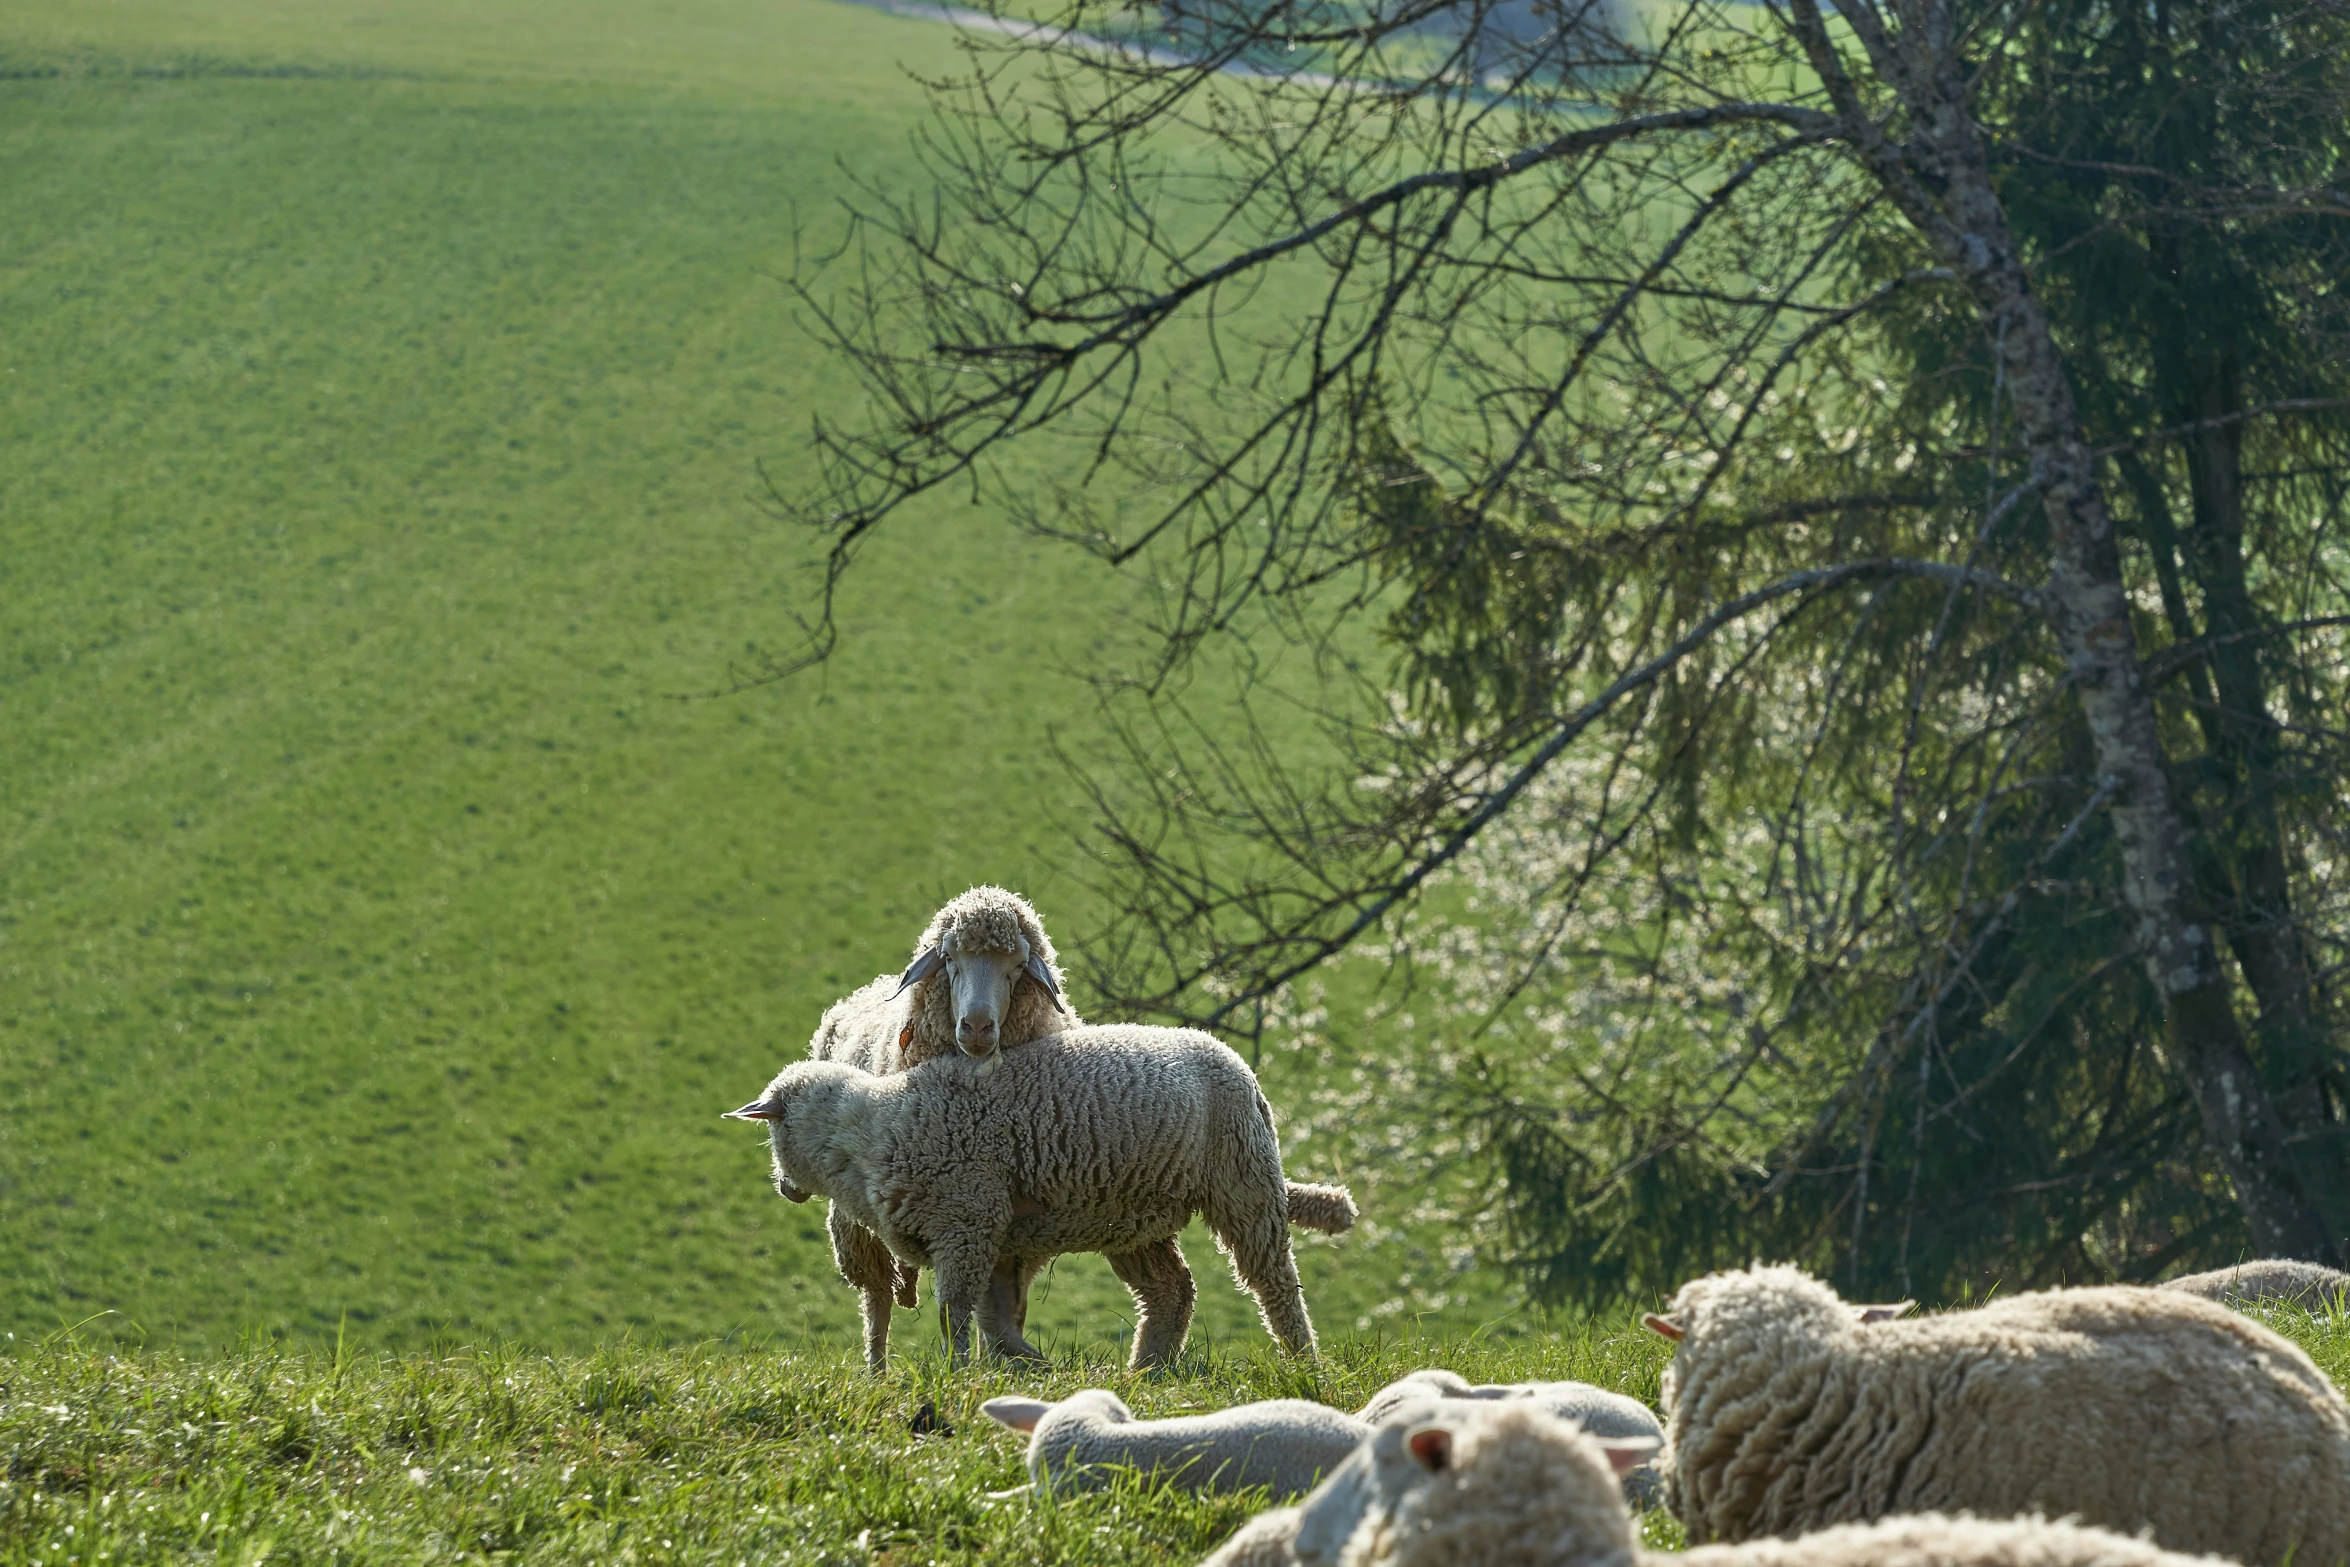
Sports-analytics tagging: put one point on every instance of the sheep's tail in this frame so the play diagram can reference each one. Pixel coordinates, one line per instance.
(1330, 1209)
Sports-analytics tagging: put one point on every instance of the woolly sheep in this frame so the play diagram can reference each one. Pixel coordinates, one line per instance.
(2309, 1285)
(1283, 1443)
(2131, 1408)
(983, 979)
(1096, 1139)
(1509, 1486)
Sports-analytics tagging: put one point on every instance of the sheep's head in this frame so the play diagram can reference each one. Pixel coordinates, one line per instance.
(986, 942)
(785, 1102)
(1458, 1480)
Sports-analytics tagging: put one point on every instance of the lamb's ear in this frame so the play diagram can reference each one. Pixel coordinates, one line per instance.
(920, 969)
(1663, 1327)
(1040, 971)
(1627, 1453)
(789, 1192)
(1021, 1414)
(1885, 1313)
(756, 1110)
(1432, 1446)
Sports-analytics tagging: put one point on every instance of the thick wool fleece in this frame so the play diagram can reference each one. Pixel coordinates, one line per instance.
(1285, 1444)
(881, 1031)
(1097, 1139)
(1517, 1488)
(2134, 1409)
(2309, 1285)
(1591, 1409)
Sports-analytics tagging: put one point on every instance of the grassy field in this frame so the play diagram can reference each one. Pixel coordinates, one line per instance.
(649, 1456)
(382, 397)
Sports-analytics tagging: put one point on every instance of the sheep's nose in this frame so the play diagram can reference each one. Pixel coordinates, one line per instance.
(977, 1034)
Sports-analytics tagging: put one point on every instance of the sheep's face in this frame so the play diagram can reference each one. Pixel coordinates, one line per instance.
(1507, 1484)
(981, 980)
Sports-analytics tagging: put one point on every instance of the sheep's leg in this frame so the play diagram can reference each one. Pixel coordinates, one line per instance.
(866, 1263)
(1003, 1313)
(1163, 1297)
(1262, 1260)
(963, 1274)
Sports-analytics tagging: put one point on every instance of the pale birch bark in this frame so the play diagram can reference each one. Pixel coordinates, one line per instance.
(1941, 181)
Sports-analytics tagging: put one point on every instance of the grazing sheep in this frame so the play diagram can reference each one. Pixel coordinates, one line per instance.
(2311, 1286)
(1508, 1486)
(1285, 1443)
(1096, 1139)
(984, 978)
(2134, 1409)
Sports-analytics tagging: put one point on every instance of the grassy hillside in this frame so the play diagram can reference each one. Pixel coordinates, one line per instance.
(630, 1454)
(381, 398)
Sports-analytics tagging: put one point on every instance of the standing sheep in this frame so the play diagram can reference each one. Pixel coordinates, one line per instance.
(2309, 1285)
(984, 978)
(1284, 1443)
(2130, 1408)
(1509, 1486)
(1097, 1139)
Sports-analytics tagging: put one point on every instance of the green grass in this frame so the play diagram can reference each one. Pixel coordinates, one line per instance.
(625, 1454)
(382, 398)
(633, 1454)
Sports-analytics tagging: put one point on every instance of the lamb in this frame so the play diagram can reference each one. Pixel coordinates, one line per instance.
(1094, 1139)
(2309, 1285)
(2134, 1409)
(1592, 1409)
(984, 978)
(1506, 1485)
(1284, 1443)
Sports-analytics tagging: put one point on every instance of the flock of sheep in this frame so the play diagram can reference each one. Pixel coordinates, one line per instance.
(960, 1117)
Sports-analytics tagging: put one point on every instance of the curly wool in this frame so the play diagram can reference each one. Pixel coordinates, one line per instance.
(2309, 1285)
(2130, 1408)
(1096, 1139)
(1523, 1489)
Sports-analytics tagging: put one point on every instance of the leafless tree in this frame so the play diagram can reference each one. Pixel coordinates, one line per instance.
(1684, 409)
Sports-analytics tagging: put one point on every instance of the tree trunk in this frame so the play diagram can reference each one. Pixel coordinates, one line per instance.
(2248, 838)
(1943, 185)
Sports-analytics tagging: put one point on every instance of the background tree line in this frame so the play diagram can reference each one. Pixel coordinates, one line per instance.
(1815, 536)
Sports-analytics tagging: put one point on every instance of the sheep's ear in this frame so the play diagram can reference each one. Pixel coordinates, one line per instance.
(1663, 1327)
(1040, 971)
(1885, 1313)
(756, 1110)
(920, 969)
(1627, 1453)
(788, 1191)
(1021, 1414)
(1432, 1446)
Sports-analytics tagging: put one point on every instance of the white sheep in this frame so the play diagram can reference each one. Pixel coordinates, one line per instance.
(984, 977)
(2134, 1409)
(1507, 1485)
(1096, 1139)
(2309, 1285)
(1284, 1443)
